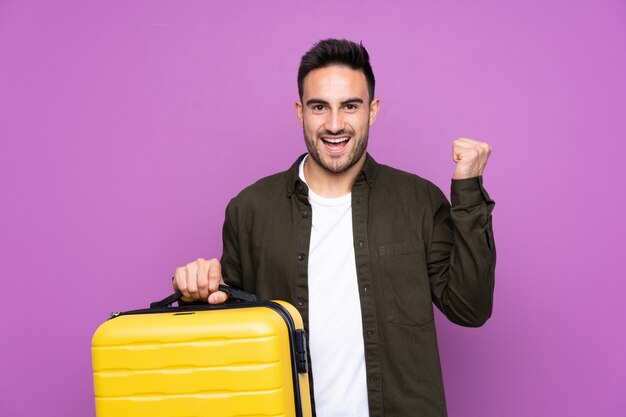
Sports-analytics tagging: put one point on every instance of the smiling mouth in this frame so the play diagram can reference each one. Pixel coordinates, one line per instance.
(334, 141)
(335, 145)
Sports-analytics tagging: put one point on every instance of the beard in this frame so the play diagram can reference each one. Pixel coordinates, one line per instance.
(340, 163)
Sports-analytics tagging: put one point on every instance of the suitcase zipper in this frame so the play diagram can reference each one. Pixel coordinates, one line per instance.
(297, 340)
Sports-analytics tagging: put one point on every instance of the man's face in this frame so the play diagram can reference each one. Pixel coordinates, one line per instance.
(336, 113)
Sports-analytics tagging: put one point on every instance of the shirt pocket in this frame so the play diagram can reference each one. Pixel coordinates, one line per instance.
(405, 283)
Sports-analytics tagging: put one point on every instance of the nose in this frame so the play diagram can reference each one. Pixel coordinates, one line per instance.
(334, 123)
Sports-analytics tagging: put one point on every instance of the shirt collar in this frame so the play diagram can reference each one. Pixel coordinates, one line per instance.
(297, 186)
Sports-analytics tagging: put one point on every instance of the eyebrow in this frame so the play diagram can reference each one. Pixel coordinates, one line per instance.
(343, 103)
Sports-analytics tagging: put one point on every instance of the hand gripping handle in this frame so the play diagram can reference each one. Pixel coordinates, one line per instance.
(233, 295)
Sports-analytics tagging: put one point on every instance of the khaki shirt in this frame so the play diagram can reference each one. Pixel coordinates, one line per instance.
(412, 249)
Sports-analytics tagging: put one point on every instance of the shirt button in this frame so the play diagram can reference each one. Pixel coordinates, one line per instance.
(366, 288)
(305, 214)
(360, 243)
(370, 334)
(374, 379)
(300, 187)
(300, 302)
(301, 257)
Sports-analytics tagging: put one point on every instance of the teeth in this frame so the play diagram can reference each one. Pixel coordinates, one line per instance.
(337, 140)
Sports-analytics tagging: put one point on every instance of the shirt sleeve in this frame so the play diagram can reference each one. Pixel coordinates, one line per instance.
(462, 253)
(231, 256)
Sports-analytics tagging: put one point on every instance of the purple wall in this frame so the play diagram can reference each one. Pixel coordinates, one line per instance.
(127, 126)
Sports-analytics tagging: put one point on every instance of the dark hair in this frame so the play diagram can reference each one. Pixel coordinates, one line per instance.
(337, 52)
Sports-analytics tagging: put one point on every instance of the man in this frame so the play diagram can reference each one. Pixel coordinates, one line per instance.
(361, 249)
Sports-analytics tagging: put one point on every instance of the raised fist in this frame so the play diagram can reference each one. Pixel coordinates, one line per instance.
(470, 157)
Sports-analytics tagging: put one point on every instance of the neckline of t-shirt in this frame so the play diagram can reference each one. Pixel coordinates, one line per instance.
(318, 199)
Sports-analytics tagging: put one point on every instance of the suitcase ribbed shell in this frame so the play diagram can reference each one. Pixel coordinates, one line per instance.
(218, 363)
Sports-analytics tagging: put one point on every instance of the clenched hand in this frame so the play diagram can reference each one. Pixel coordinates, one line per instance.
(200, 280)
(470, 156)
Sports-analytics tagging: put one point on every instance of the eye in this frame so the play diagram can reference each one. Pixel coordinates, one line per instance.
(351, 107)
(318, 107)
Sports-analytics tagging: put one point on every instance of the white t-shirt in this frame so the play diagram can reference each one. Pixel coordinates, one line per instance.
(335, 327)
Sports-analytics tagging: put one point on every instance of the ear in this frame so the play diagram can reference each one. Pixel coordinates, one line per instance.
(299, 111)
(374, 108)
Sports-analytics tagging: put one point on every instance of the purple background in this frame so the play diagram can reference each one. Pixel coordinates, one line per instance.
(127, 126)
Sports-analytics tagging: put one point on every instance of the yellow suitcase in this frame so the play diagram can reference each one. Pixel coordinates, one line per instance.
(242, 358)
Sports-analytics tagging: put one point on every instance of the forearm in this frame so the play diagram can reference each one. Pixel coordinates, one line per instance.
(462, 256)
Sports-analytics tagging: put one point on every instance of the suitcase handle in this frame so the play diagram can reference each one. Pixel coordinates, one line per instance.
(233, 294)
